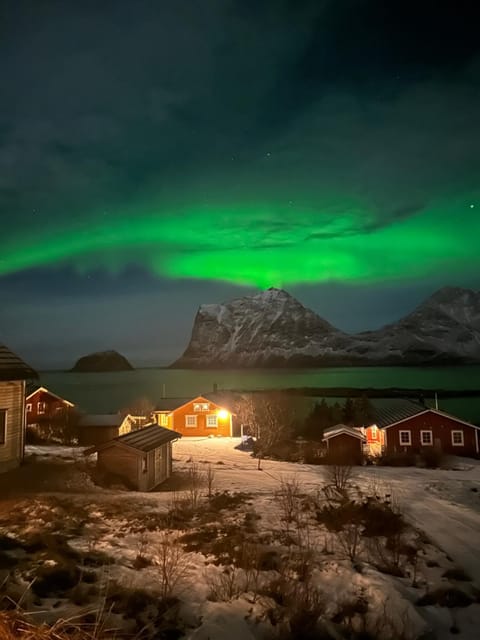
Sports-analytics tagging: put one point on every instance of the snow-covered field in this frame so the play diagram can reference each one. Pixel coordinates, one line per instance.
(122, 526)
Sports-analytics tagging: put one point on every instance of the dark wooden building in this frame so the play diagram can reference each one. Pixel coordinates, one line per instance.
(13, 376)
(42, 405)
(143, 458)
(99, 428)
(344, 444)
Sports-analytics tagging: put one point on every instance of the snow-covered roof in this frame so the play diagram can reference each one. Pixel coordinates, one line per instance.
(337, 429)
(145, 439)
(32, 390)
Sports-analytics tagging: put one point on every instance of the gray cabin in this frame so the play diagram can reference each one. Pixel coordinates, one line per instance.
(143, 458)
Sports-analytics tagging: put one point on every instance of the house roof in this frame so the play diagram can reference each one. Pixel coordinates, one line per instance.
(395, 411)
(398, 411)
(145, 439)
(14, 368)
(33, 389)
(101, 420)
(171, 404)
(338, 429)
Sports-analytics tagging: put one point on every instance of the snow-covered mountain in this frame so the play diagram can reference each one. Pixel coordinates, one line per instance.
(273, 329)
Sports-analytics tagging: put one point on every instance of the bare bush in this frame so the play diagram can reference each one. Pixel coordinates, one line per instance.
(172, 565)
(339, 475)
(289, 496)
(210, 480)
(227, 584)
(195, 482)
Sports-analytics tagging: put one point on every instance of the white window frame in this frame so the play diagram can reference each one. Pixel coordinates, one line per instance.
(426, 444)
(190, 418)
(163, 419)
(41, 407)
(405, 444)
(215, 418)
(3, 440)
(374, 431)
(28, 407)
(201, 406)
(458, 444)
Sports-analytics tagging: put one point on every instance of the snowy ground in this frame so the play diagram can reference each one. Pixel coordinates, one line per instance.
(444, 504)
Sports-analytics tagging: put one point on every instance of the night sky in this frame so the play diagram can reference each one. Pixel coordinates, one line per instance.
(155, 155)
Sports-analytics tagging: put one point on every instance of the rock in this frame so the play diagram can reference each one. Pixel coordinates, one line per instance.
(102, 361)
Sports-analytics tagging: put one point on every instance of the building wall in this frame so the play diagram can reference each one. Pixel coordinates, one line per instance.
(12, 398)
(177, 420)
(96, 435)
(141, 471)
(121, 462)
(345, 448)
(52, 407)
(441, 428)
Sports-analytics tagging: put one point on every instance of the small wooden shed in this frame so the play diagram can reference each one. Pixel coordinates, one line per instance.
(143, 457)
(344, 444)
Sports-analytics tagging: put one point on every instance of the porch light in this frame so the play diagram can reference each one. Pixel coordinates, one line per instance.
(222, 414)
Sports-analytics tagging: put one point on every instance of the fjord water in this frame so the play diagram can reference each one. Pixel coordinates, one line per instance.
(110, 392)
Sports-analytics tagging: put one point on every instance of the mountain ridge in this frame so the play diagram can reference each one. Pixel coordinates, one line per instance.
(274, 329)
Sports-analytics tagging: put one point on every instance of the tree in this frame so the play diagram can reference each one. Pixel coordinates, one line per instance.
(270, 417)
(319, 418)
(348, 412)
(364, 413)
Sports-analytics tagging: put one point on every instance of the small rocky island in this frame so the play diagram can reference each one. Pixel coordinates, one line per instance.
(102, 361)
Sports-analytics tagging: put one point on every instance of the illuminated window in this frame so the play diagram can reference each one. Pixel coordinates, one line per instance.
(426, 437)
(201, 406)
(29, 406)
(457, 438)
(163, 419)
(41, 407)
(212, 421)
(405, 437)
(374, 432)
(3, 425)
(190, 421)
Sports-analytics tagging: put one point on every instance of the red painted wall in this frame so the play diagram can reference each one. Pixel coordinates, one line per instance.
(441, 427)
(52, 407)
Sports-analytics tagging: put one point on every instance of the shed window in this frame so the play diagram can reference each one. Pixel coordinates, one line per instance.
(212, 421)
(457, 438)
(144, 464)
(3, 425)
(29, 406)
(41, 406)
(190, 421)
(405, 437)
(426, 437)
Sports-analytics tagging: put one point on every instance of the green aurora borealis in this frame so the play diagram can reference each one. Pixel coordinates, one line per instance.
(264, 245)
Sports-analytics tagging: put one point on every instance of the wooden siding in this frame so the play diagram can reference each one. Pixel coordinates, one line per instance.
(177, 420)
(141, 470)
(441, 427)
(12, 398)
(345, 448)
(121, 462)
(96, 435)
(53, 406)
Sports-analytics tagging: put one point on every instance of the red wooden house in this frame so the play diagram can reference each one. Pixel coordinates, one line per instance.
(410, 427)
(199, 416)
(42, 405)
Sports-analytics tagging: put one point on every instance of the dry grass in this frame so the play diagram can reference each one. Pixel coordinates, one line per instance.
(14, 625)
